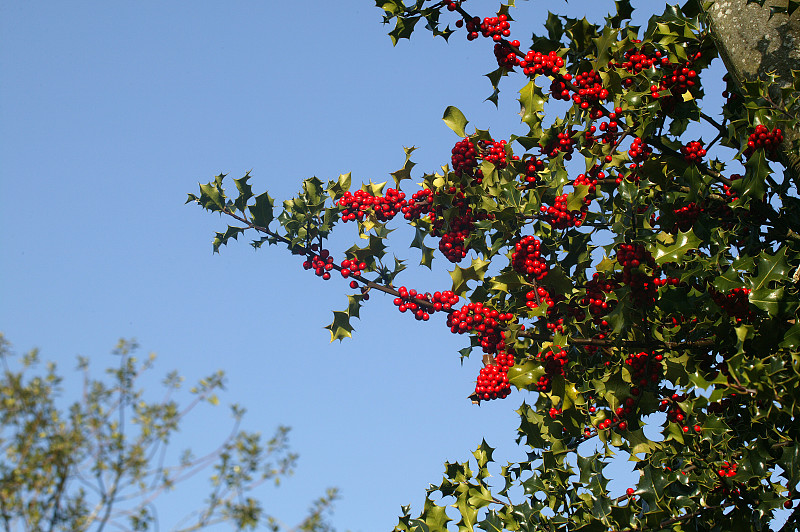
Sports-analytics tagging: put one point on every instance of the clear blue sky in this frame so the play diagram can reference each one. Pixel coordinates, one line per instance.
(111, 112)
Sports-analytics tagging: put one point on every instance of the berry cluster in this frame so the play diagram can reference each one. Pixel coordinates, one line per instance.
(619, 415)
(496, 27)
(486, 321)
(420, 204)
(527, 258)
(693, 152)
(560, 217)
(563, 142)
(532, 168)
(735, 303)
(645, 368)
(492, 382)
(464, 158)
(361, 203)
(553, 360)
(423, 305)
(536, 63)
(352, 267)
(643, 285)
(679, 81)
(684, 218)
(451, 243)
(766, 139)
(675, 413)
(595, 298)
(727, 470)
(535, 298)
(639, 151)
(590, 89)
(321, 263)
(505, 54)
(495, 153)
(636, 60)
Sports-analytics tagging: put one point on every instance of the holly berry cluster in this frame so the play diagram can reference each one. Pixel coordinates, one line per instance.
(645, 368)
(358, 205)
(553, 360)
(527, 258)
(486, 321)
(590, 89)
(636, 60)
(415, 302)
(560, 216)
(684, 218)
(496, 27)
(639, 151)
(679, 81)
(727, 469)
(693, 152)
(595, 299)
(454, 232)
(535, 63)
(564, 142)
(609, 131)
(619, 415)
(766, 139)
(735, 303)
(537, 297)
(492, 383)
(643, 285)
(352, 267)
(675, 413)
(321, 263)
(465, 158)
(532, 167)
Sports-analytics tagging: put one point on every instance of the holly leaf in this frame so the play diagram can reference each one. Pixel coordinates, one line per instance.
(405, 171)
(221, 239)
(212, 197)
(771, 268)
(340, 328)
(767, 299)
(575, 200)
(675, 252)
(475, 272)
(245, 192)
(523, 376)
(455, 120)
(261, 212)
(336, 189)
(531, 102)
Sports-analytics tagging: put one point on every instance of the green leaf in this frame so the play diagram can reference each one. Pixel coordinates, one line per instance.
(475, 272)
(531, 102)
(212, 197)
(261, 212)
(340, 328)
(675, 252)
(405, 171)
(455, 120)
(525, 375)
(245, 193)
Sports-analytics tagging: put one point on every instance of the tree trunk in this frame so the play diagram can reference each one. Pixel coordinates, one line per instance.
(751, 44)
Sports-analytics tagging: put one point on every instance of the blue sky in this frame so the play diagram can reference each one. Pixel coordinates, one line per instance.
(112, 112)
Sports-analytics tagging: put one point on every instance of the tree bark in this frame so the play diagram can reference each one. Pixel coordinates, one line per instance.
(752, 44)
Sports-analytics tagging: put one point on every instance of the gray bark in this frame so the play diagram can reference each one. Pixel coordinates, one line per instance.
(751, 44)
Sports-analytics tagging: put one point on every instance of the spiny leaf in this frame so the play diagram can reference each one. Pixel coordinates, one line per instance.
(675, 252)
(405, 171)
(261, 212)
(475, 272)
(531, 102)
(340, 328)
